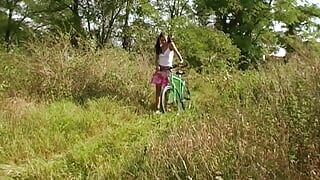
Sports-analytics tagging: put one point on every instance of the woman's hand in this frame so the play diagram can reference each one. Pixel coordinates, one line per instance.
(157, 68)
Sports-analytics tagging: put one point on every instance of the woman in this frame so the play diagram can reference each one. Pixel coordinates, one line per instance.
(165, 50)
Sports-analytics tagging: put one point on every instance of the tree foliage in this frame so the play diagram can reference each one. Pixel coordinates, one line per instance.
(206, 48)
(131, 24)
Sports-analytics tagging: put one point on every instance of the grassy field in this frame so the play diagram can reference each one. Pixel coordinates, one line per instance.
(68, 114)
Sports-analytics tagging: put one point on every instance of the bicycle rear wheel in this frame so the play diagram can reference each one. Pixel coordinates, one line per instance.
(170, 100)
(186, 102)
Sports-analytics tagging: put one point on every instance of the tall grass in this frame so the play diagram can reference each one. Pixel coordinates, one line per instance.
(255, 124)
(50, 70)
(81, 114)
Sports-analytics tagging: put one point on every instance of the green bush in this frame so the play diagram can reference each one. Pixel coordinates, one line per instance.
(205, 48)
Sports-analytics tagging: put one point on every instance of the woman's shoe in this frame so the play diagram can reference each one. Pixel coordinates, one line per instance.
(158, 112)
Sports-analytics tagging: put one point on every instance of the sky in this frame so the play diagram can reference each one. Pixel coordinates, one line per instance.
(314, 1)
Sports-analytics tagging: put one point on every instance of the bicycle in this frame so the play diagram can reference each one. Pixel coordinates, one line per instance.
(176, 95)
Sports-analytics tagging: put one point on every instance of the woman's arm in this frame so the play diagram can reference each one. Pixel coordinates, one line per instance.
(174, 48)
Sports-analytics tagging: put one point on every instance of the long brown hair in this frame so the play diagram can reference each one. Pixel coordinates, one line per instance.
(157, 46)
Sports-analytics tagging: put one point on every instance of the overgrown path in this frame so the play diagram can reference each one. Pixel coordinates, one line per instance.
(254, 124)
(64, 140)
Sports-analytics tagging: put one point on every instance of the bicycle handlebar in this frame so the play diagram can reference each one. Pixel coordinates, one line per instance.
(180, 65)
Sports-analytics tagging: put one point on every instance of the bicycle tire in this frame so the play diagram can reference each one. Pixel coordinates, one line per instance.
(176, 105)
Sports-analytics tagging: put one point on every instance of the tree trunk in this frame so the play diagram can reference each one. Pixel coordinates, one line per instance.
(88, 18)
(115, 13)
(126, 38)
(76, 24)
(7, 37)
(76, 17)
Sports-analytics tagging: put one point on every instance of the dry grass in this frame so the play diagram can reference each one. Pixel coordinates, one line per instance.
(69, 114)
(50, 71)
(260, 125)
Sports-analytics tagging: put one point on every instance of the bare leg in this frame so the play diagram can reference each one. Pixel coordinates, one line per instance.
(158, 91)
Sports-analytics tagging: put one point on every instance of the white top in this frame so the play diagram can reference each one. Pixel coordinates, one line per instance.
(166, 58)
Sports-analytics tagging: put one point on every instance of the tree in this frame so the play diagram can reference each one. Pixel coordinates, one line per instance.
(10, 24)
(250, 23)
(174, 8)
(125, 36)
(246, 21)
(298, 21)
(139, 24)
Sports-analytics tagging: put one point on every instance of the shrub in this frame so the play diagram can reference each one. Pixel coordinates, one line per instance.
(206, 48)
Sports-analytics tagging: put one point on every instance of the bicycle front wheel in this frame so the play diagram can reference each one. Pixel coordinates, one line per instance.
(170, 100)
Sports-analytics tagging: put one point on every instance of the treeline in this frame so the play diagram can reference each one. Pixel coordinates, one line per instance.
(209, 31)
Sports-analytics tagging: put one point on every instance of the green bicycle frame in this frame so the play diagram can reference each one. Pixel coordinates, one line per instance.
(178, 84)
